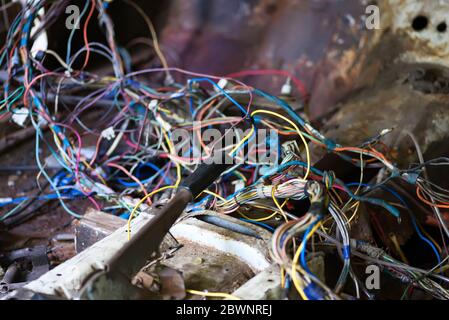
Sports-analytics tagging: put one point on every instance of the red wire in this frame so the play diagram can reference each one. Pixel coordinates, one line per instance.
(86, 42)
(298, 83)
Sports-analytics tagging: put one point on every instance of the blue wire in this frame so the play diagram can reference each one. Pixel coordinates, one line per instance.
(147, 164)
(197, 204)
(282, 104)
(404, 203)
(51, 196)
(44, 173)
(245, 112)
(287, 281)
(303, 252)
(192, 109)
(72, 33)
(266, 226)
(246, 142)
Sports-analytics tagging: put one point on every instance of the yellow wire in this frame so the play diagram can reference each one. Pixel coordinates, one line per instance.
(213, 194)
(164, 109)
(59, 144)
(333, 192)
(173, 151)
(282, 277)
(241, 142)
(213, 294)
(99, 175)
(131, 216)
(261, 219)
(395, 241)
(176, 185)
(355, 211)
(287, 120)
(273, 190)
(296, 280)
(430, 237)
(241, 176)
(153, 36)
(444, 268)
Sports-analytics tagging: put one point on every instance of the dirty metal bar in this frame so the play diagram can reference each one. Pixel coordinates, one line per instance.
(133, 255)
(9, 277)
(136, 252)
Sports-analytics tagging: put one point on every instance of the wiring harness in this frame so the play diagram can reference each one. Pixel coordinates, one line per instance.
(112, 140)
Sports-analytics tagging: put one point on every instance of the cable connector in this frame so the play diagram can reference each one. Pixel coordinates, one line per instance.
(108, 133)
(286, 89)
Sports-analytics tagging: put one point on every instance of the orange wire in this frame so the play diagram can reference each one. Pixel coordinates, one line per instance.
(421, 197)
(372, 152)
(97, 147)
(198, 131)
(86, 41)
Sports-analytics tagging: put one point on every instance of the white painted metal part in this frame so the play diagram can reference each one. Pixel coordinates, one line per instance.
(67, 278)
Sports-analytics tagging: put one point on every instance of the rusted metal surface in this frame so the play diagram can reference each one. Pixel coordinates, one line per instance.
(424, 25)
(316, 40)
(402, 85)
(221, 37)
